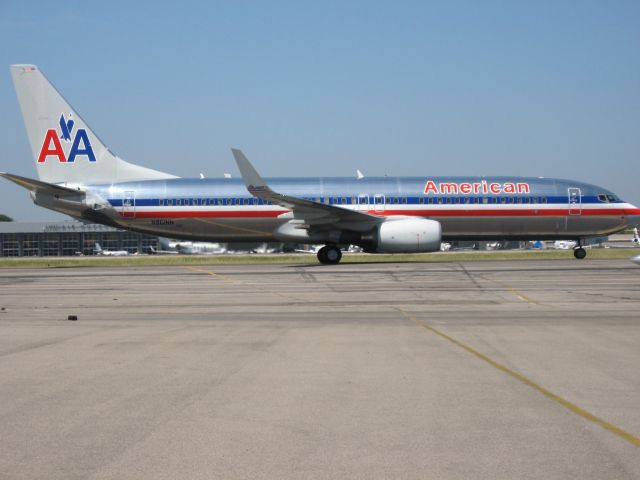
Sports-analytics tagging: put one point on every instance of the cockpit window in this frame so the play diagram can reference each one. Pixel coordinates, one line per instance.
(612, 198)
(603, 198)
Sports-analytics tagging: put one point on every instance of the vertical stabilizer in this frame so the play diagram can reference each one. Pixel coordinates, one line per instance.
(64, 147)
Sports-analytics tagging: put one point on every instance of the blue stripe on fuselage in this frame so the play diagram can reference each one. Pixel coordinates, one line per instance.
(389, 200)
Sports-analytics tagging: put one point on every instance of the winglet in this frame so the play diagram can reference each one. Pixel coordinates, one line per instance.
(252, 179)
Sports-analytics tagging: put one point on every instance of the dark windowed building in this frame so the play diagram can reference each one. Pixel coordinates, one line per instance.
(50, 239)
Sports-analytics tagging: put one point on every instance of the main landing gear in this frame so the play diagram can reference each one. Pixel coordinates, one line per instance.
(329, 255)
(579, 252)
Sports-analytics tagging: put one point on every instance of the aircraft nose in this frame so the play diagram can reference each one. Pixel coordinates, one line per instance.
(633, 216)
(634, 220)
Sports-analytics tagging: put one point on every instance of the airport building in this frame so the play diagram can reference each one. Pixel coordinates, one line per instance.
(67, 238)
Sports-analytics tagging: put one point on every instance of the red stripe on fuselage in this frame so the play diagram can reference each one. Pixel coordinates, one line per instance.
(211, 214)
(556, 212)
(548, 212)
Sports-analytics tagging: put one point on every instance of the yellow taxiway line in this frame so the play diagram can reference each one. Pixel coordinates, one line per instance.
(628, 437)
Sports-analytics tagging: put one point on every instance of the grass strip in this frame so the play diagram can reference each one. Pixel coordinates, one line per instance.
(256, 259)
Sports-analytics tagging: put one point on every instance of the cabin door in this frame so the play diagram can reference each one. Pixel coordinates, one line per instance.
(378, 200)
(575, 201)
(129, 204)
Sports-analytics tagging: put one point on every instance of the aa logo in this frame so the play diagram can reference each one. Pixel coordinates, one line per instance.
(80, 144)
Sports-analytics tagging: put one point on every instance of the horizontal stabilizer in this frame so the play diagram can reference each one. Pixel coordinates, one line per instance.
(39, 186)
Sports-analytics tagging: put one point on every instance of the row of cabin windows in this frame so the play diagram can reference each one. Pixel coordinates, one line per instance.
(211, 201)
(378, 200)
(478, 200)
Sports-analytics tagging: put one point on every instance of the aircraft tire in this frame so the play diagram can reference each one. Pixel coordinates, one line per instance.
(579, 253)
(329, 255)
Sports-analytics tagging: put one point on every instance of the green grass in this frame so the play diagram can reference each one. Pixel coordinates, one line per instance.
(168, 260)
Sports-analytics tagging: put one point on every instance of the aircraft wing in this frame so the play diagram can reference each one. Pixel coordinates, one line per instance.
(38, 186)
(305, 213)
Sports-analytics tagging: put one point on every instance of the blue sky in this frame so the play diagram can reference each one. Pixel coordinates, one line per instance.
(548, 88)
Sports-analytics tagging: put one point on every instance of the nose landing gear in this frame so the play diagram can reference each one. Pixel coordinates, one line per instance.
(329, 255)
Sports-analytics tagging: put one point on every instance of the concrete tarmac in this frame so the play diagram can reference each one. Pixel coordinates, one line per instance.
(483, 370)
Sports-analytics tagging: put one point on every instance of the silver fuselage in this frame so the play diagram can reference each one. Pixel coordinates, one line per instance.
(223, 210)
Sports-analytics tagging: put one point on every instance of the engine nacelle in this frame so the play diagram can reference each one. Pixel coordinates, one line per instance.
(408, 235)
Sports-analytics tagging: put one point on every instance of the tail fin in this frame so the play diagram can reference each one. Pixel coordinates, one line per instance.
(65, 149)
(97, 248)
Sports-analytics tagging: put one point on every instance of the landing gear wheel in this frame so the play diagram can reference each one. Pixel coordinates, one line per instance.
(579, 253)
(329, 255)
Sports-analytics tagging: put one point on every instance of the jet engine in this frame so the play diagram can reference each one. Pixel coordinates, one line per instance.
(408, 235)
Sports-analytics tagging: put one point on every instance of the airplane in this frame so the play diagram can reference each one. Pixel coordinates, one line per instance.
(209, 248)
(313, 249)
(79, 176)
(192, 248)
(109, 253)
(564, 244)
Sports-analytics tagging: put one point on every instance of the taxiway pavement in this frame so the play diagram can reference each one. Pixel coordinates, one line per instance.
(484, 370)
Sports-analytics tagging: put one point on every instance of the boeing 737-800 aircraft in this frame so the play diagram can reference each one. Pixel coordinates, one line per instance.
(80, 177)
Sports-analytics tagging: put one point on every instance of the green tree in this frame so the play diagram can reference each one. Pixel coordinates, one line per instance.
(5, 218)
